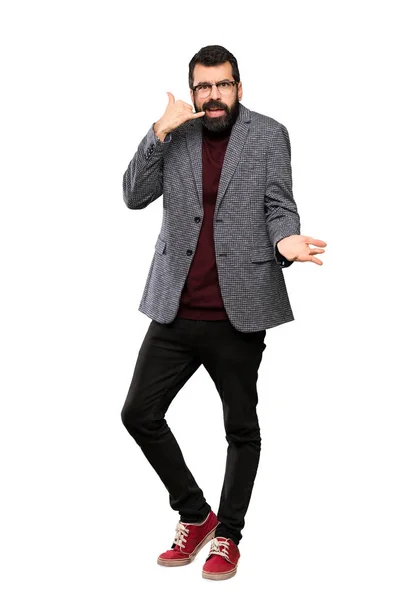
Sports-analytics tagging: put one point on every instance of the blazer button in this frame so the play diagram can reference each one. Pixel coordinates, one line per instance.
(197, 219)
(189, 252)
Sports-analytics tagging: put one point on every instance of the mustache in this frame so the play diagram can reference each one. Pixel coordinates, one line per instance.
(210, 105)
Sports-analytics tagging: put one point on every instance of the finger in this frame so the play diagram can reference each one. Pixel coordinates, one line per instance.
(171, 98)
(316, 260)
(315, 242)
(197, 115)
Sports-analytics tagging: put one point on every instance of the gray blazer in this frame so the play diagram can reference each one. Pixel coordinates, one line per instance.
(254, 210)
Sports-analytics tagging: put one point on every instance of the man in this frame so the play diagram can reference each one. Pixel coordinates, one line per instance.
(215, 284)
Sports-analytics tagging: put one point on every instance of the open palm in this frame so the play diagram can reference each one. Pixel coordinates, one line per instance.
(296, 248)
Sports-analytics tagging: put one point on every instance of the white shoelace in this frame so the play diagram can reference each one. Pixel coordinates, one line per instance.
(180, 536)
(220, 547)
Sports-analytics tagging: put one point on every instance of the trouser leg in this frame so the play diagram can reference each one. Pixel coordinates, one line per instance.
(232, 359)
(164, 364)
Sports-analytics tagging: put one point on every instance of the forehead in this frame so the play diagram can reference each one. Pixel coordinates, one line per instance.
(212, 74)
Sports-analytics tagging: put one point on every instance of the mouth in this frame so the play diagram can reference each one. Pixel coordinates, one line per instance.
(215, 112)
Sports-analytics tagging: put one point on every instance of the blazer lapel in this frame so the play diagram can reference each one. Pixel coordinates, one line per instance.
(234, 149)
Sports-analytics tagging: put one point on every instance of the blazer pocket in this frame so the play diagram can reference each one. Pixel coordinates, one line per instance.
(261, 253)
(160, 245)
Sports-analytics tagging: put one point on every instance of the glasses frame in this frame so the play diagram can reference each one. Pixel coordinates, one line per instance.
(233, 83)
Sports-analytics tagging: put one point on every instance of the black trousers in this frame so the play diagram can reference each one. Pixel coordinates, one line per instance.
(168, 357)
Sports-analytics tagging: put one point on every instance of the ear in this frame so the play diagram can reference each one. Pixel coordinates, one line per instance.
(240, 90)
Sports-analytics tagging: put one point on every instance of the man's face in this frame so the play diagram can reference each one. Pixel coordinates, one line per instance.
(229, 104)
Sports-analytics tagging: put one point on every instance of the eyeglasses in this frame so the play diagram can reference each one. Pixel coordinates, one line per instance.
(204, 89)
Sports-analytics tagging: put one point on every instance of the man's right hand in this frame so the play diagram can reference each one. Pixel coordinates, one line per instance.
(176, 113)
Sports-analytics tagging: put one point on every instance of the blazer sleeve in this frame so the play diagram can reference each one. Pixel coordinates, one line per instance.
(143, 179)
(281, 213)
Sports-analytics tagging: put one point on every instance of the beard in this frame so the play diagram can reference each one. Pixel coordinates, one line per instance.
(224, 122)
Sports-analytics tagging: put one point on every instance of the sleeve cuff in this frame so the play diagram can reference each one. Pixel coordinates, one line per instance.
(280, 259)
(154, 144)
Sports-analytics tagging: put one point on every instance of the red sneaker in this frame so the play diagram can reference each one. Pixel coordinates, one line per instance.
(189, 540)
(222, 560)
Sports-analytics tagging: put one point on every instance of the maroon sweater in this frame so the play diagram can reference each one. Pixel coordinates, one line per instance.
(201, 295)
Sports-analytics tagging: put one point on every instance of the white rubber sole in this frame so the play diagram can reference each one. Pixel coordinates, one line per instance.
(219, 576)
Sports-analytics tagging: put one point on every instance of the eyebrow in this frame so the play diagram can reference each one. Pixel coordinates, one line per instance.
(209, 83)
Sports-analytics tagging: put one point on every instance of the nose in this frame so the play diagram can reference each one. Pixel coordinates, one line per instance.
(215, 93)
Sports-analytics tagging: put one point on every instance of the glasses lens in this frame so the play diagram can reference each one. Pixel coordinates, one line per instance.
(203, 92)
(225, 88)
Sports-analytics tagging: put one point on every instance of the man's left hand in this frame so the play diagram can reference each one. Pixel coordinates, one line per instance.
(296, 247)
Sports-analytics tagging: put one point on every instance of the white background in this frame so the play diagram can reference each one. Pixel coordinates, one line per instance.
(83, 514)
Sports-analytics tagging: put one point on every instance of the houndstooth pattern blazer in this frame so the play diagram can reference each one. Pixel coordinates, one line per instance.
(254, 210)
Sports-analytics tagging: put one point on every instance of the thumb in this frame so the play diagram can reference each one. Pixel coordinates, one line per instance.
(171, 98)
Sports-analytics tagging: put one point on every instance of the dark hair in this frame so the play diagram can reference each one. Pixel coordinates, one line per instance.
(211, 56)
